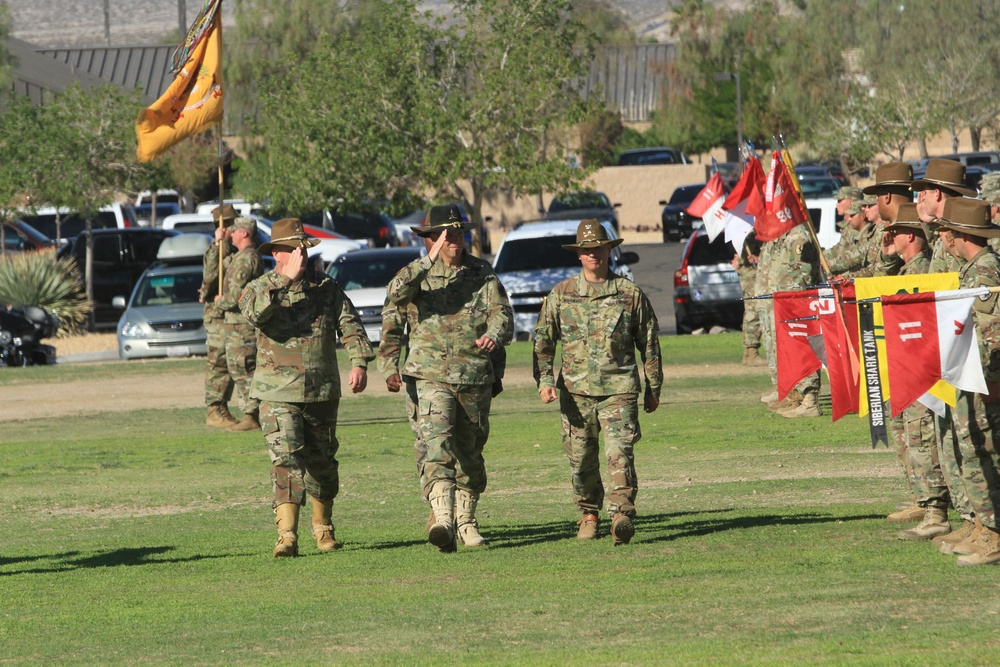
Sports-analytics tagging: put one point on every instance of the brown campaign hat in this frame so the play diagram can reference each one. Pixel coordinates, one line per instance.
(891, 178)
(591, 234)
(440, 218)
(287, 233)
(971, 216)
(907, 219)
(227, 212)
(947, 175)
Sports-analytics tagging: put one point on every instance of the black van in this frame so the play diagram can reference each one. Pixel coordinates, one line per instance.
(120, 257)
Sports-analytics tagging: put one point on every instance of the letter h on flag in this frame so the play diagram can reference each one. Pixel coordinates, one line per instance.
(930, 336)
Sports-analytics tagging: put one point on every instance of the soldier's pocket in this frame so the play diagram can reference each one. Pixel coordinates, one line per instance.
(269, 427)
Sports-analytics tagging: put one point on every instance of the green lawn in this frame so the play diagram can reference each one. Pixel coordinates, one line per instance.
(143, 538)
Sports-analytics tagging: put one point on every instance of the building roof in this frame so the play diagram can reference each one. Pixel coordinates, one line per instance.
(40, 78)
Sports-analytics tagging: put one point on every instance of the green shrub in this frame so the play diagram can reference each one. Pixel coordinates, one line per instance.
(38, 278)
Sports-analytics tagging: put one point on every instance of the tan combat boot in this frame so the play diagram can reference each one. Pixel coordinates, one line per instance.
(987, 549)
(430, 522)
(914, 513)
(809, 407)
(968, 544)
(322, 525)
(948, 541)
(287, 518)
(789, 402)
(217, 418)
(769, 396)
(588, 527)
(442, 533)
(465, 517)
(622, 529)
(249, 422)
(935, 523)
(904, 505)
(751, 357)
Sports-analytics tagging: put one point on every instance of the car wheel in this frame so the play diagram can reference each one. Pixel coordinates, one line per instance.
(683, 327)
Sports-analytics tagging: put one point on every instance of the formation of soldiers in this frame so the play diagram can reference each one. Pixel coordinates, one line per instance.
(950, 462)
(278, 343)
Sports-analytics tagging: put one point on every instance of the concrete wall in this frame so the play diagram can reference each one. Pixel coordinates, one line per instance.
(638, 190)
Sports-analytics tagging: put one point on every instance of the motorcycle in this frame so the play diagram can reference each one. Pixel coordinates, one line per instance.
(21, 330)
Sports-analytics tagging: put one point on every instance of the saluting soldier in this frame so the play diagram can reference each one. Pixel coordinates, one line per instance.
(943, 180)
(976, 416)
(299, 314)
(462, 317)
(601, 319)
(240, 335)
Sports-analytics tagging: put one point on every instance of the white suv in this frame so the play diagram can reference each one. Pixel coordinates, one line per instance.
(71, 224)
(531, 261)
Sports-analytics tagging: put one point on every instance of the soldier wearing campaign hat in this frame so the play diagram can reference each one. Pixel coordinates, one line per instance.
(461, 315)
(300, 314)
(967, 221)
(601, 319)
(218, 381)
(944, 179)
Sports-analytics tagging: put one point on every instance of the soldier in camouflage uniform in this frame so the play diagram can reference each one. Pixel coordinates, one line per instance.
(218, 382)
(850, 236)
(765, 314)
(462, 316)
(914, 430)
(240, 335)
(299, 315)
(846, 196)
(943, 180)
(989, 191)
(745, 264)
(601, 319)
(976, 419)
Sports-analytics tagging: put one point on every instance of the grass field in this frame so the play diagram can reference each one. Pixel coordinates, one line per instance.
(142, 538)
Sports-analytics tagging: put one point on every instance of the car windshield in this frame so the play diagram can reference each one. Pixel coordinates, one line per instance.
(578, 200)
(71, 224)
(368, 273)
(544, 252)
(684, 195)
(167, 290)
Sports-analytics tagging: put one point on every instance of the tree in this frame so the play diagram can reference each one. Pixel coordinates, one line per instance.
(6, 64)
(408, 104)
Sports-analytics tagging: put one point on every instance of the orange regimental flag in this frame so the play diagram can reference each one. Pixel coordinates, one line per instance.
(191, 104)
(783, 208)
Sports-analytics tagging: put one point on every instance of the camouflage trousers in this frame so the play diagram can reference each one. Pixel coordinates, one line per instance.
(951, 467)
(412, 412)
(916, 446)
(454, 420)
(302, 441)
(241, 360)
(751, 316)
(218, 382)
(975, 425)
(765, 314)
(583, 419)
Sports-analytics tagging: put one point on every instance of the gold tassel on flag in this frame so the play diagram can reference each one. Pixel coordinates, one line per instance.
(194, 101)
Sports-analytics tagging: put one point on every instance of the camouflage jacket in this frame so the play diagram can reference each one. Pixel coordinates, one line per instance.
(943, 261)
(244, 267)
(210, 276)
(793, 262)
(849, 237)
(600, 329)
(919, 263)
(453, 309)
(297, 329)
(983, 270)
(762, 280)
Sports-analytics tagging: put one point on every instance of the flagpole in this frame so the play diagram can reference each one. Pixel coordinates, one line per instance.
(222, 187)
(786, 157)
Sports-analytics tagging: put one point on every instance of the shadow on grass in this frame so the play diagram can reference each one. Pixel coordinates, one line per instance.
(74, 560)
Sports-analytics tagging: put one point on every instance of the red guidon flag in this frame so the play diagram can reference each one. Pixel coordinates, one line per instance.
(709, 194)
(930, 336)
(839, 324)
(783, 209)
(744, 203)
(795, 322)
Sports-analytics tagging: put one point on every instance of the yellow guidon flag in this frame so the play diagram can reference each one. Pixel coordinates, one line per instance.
(191, 104)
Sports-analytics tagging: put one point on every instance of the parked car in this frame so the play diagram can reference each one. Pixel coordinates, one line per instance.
(20, 236)
(832, 167)
(972, 158)
(364, 275)
(674, 219)
(706, 286)
(531, 261)
(581, 206)
(371, 226)
(658, 155)
(242, 206)
(111, 216)
(144, 213)
(819, 186)
(823, 213)
(163, 317)
(120, 256)
(329, 248)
